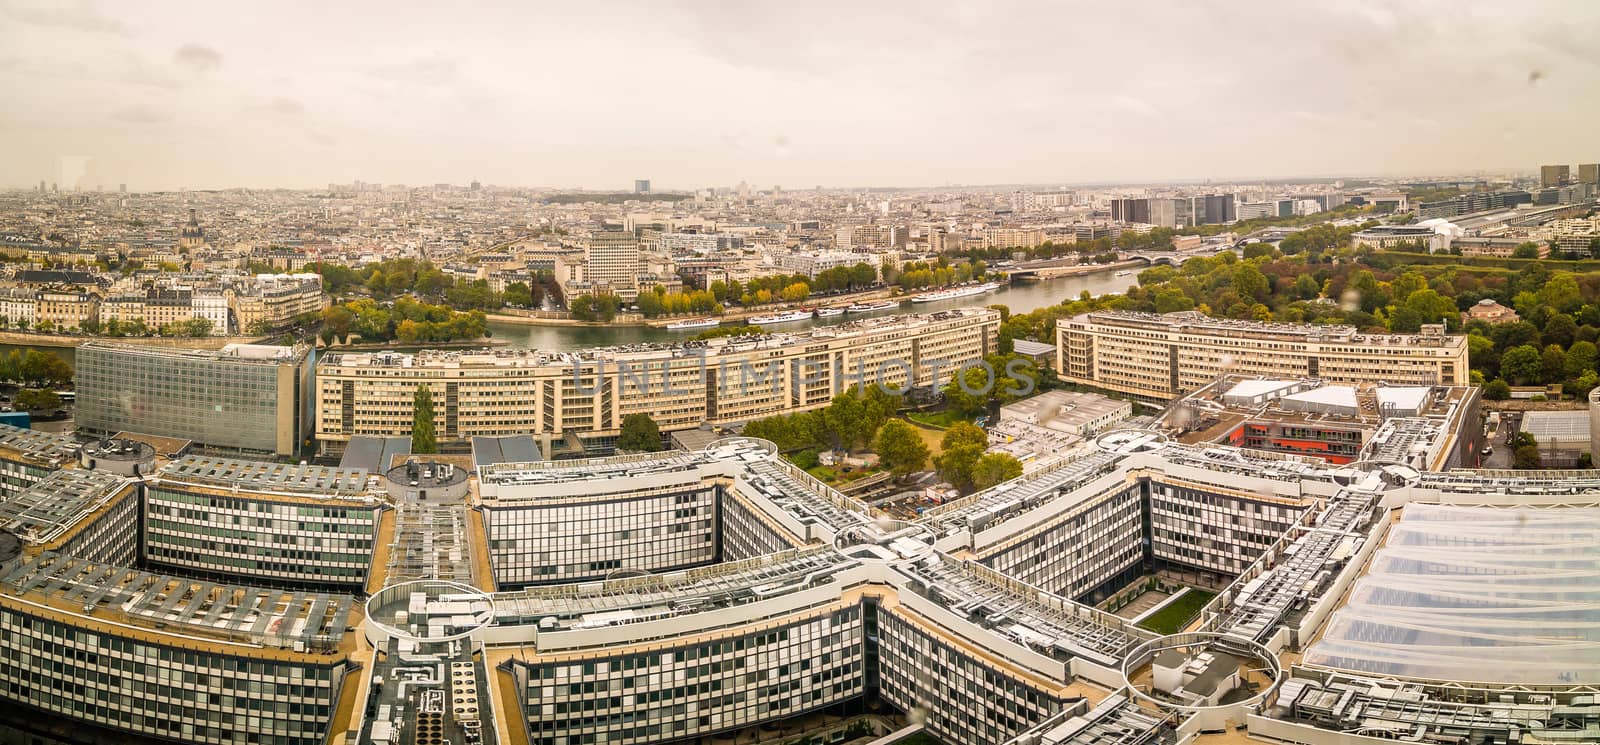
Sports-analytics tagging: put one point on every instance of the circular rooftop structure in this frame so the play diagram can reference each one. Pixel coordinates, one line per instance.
(429, 610)
(1390, 475)
(750, 448)
(427, 479)
(885, 540)
(118, 455)
(1201, 673)
(1126, 441)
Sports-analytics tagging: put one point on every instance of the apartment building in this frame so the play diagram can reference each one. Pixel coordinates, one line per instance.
(719, 381)
(1156, 358)
(66, 309)
(274, 301)
(243, 397)
(19, 307)
(613, 259)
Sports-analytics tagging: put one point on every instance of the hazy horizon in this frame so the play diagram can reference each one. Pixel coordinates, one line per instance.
(689, 95)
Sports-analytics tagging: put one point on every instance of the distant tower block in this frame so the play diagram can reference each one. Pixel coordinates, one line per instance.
(641, 186)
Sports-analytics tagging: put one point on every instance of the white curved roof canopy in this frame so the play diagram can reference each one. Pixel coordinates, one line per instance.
(1484, 594)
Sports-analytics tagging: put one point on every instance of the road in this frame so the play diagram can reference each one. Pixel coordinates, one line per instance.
(1510, 423)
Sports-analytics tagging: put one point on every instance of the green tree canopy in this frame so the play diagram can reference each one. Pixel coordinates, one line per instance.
(37, 399)
(994, 468)
(963, 433)
(900, 448)
(423, 440)
(1522, 364)
(955, 465)
(640, 433)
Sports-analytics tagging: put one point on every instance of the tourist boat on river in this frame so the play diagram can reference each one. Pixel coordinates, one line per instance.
(792, 316)
(956, 292)
(695, 323)
(872, 307)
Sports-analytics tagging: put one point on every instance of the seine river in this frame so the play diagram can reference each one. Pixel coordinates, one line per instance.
(1020, 298)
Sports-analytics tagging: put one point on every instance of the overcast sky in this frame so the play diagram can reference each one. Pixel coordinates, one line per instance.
(798, 93)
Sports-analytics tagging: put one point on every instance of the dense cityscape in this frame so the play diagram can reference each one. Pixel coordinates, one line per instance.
(1106, 459)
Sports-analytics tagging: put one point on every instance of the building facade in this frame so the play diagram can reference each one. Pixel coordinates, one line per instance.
(720, 381)
(251, 398)
(1157, 358)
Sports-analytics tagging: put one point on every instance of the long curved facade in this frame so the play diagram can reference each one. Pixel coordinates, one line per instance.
(690, 596)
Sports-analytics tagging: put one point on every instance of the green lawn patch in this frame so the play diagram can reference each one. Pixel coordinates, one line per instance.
(1174, 616)
(940, 419)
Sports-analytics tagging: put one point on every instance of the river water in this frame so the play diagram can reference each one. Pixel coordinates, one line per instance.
(1020, 298)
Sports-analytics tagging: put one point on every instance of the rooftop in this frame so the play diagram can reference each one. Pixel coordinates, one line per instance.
(57, 503)
(282, 619)
(244, 353)
(868, 328)
(38, 446)
(1484, 594)
(266, 477)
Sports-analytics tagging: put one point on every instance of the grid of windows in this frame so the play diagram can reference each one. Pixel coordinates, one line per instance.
(259, 538)
(209, 399)
(111, 538)
(745, 534)
(1081, 549)
(1220, 533)
(181, 695)
(966, 699)
(696, 690)
(577, 540)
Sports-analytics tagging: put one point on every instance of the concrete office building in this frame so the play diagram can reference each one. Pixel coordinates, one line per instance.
(1589, 173)
(243, 397)
(1554, 176)
(1156, 358)
(612, 262)
(303, 526)
(718, 381)
(974, 615)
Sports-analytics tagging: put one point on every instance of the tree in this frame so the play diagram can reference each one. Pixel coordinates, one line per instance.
(1497, 390)
(1521, 364)
(640, 433)
(963, 433)
(37, 399)
(519, 294)
(422, 435)
(1528, 250)
(1526, 457)
(1553, 364)
(900, 448)
(968, 392)
(844, 421)
(1561, 292)
(1582, 357)
(955, 465)
(995, 468)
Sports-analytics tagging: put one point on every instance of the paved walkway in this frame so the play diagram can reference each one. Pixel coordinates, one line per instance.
(1149, 599)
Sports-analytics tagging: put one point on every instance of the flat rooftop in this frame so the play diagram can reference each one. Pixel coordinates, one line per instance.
(1529, 573)
(241, 353)
(57, 503)
(36, 445)
(267, 477)
(280, 619)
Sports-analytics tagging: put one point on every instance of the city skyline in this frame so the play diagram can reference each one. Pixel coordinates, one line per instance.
(687, 96)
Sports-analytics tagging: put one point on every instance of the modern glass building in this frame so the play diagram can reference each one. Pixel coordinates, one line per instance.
(244, 397)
